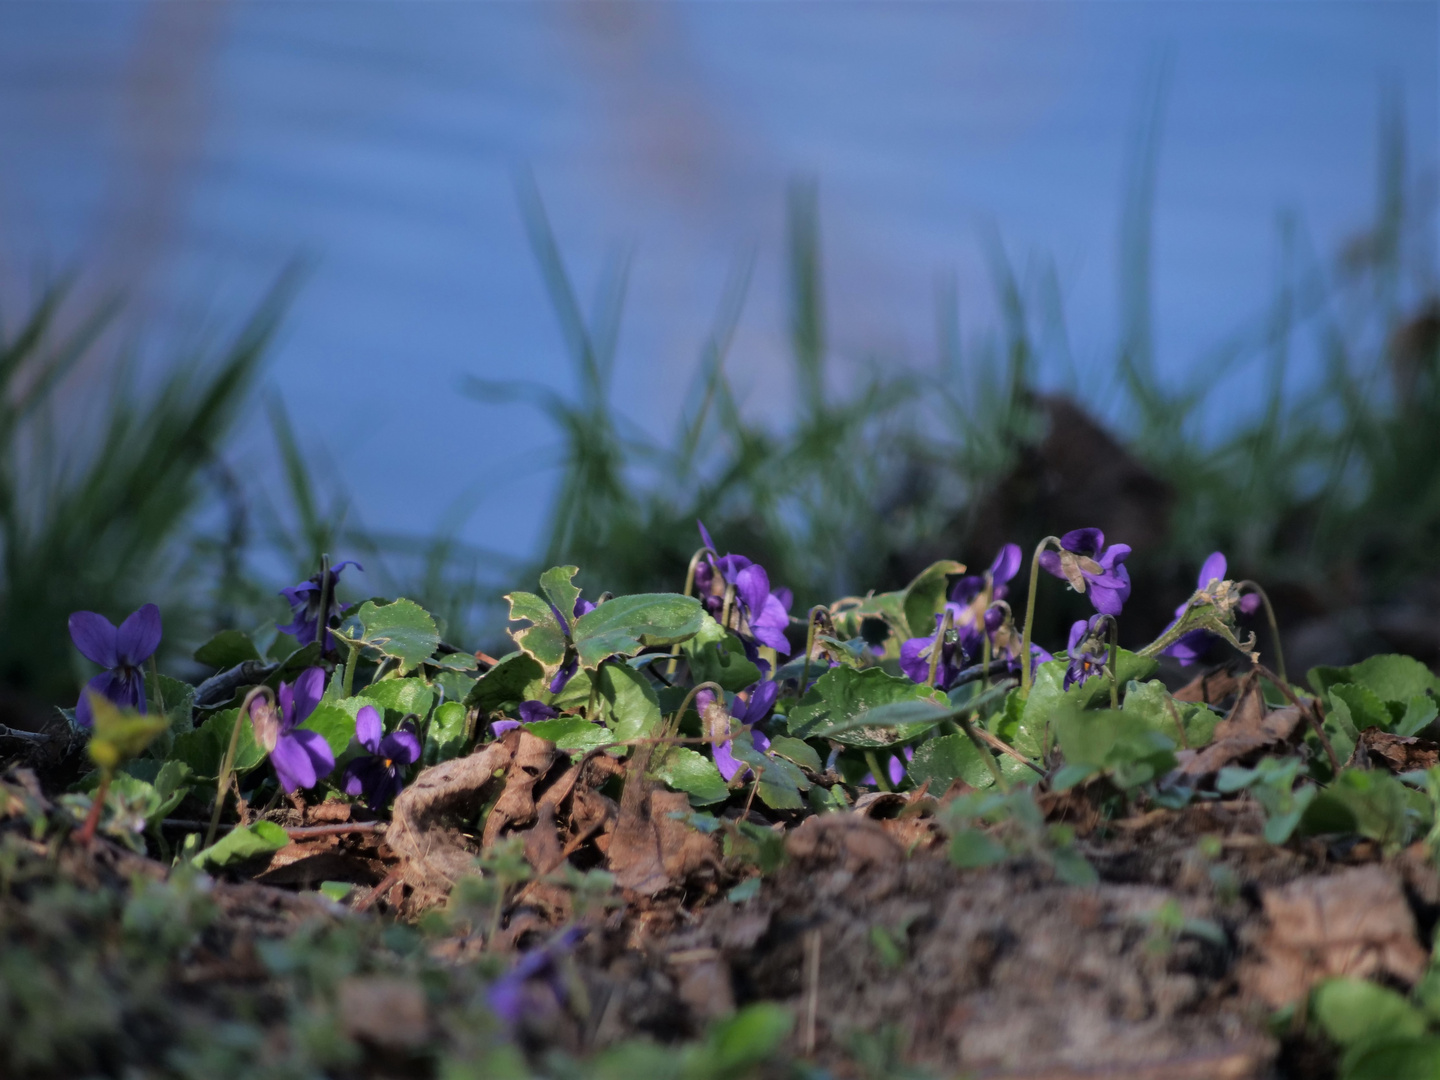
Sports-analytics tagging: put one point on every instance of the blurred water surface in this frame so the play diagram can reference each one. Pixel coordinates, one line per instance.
(187, 151)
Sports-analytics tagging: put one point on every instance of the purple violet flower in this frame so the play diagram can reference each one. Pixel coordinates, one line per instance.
(915, 654)
(301, 757)
(1002, 570)
(1191, 646)
(377, 775)
(121, 652)
(1087, 651)
(1091, 568)
(304, 601)
(765, 612)
(536, 984)
(530, 713)
(894, 768)
(572, 661)
(753, 707)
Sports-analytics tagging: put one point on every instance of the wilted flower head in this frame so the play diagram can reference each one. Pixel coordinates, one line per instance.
(1091, 568)
(378, 774)
(1190, 646)
(752, 705)
(764, 613)
(301, 757)
(1086, 649)
(536, 984)
(121, 652)
(304, 601)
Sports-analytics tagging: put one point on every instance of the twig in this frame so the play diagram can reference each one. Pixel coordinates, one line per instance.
(388, 882)
(25, 736)
(1000, 744)
(1312, 714)
(301, 832)
(812, 989)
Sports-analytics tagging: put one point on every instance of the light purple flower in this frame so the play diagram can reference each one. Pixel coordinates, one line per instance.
(765, 612)
(304, 601)
(530, 713)
(121, 652)
(535, 986)
(1091, 568)
(378, 774)
(301, 758)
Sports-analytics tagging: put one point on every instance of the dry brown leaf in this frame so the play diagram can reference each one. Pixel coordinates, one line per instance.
(384, 1011)
(852, 839)
(1244, 733)
(516, 805)
(1398, 753)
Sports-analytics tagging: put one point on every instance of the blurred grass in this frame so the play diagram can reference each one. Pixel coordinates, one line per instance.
(116, 490)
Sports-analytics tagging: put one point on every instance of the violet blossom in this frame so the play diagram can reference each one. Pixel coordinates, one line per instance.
(536, 984)
(1005, 566)
(1190, 646)
(572, 661)
(916, 653)
(530, 712)
(1086, 649)
(300, 757)
(304, 601)
(894, 768)
(121, 652)
(1091, 568)
(765, 612)
(377, 775)
(751, 706)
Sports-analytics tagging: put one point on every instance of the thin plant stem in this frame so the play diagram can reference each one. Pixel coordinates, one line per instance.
(882, 779)
(322, 628)
(680, 712)
(92, 819)
(938, 648)
(729, 604)
(1030, 614)
(228, 763)
(1114, 662)
(689, 588)
(985, 755)
(1274, 625)
(348, 682)
(809, 648)
(160, 692)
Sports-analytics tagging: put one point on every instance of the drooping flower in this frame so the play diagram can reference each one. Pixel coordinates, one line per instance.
(301, 757)
(572, 661)
(751, 706)
(1087, 650)
(304, 601)
(378, 774)
(530, 712)
(1005, 566)
(1091, 568)
(121, 652)
(764, 612)
(1190, 646)
(536, 985)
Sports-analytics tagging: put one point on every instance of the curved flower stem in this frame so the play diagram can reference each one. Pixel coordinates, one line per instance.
(689, 588)
(674, 724)
(322, 628)
(1030, 613)
(809, 648)
(937, 649)
(1274, 626)
(160, 692)
(347, 685)
(228, 763)
(879, 775)
(1176, 631)
(1114, 662)
(728, 605)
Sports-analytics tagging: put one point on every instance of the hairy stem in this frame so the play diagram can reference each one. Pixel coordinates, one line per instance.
(1030, 613)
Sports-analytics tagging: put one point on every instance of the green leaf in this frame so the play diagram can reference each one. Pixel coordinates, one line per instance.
(1352, 1009)
(780, 782)
(627, 624)
(1152, 703)
(571, 733)
(227, 649)
(560, 590)
(629, 706)
(947, 758)
(1393, 1057)
(456, 661)
(455, 685)
(445, 738)
(1376, 805)
(1419, 714)
(119, 734)
(401, 696)
(693, 773)
(1395, 678)
(1366, 708)
(798, 751)
(971, 849)
(179, 698)
(239, 845)
(515, 678)
(734, 1046)
(402, 630)
(544, 639)
(717, 656)
(924, 598)
(1047, 693)
(1073, 868)
(844, 704)
(1123, 744)
(204, 748)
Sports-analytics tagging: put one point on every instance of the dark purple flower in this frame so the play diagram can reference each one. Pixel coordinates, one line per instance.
(120, 652)
(536, 984)
(1005, 567)
(530, 712)
(765, 612)
(915, 654)
(572, 661)
(301, 757)
(751, 706)
(1091, 568)
(304, 601)
(377, 775)
(1087, 650)
(1190, 646)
